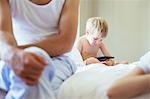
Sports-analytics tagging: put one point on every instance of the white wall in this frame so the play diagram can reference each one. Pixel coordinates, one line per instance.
(148, 24)
(86, 11)
(129, 23)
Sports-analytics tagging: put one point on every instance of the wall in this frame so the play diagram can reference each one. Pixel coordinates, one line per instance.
(86, 11)
(129, 23)
(148, 25)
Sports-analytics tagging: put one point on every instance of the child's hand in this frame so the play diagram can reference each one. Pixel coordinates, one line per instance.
(109, 62)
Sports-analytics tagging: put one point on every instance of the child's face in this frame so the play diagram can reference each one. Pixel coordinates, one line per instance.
(95, 39)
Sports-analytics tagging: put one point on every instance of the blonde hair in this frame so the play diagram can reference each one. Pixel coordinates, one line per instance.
(96, 25)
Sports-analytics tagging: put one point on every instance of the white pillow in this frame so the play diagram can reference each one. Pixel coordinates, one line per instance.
(75, 55)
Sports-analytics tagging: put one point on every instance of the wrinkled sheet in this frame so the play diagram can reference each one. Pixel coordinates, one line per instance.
(93, 81)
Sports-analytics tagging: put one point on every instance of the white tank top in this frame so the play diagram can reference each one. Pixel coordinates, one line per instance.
(32, 22)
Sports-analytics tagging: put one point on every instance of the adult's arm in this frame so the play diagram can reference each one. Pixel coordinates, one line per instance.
(27, 65)
(133, 84)
(6, 35)
(63, 42)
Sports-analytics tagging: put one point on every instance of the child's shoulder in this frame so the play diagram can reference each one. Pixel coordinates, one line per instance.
(82, 38)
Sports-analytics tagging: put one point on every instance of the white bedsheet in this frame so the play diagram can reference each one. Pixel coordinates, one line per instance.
(92, 82)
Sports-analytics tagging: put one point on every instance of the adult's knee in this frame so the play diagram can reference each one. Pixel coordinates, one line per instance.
(38, 51)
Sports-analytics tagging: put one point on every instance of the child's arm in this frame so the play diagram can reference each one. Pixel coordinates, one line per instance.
(135, 83)
(104, 50)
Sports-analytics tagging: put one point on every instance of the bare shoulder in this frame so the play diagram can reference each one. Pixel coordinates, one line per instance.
(4, 9)
(72, 3)
(83, 39)
(4, 4)
(75, 1)
(4, 1)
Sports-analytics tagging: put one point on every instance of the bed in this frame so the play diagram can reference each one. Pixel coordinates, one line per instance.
(93, 81)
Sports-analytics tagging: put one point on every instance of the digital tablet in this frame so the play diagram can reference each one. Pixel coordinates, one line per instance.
(103, 58)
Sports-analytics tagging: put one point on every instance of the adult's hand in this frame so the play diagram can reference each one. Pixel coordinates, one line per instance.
(27, 65)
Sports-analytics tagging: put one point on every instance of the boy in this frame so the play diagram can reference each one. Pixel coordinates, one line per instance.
(91, 44)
